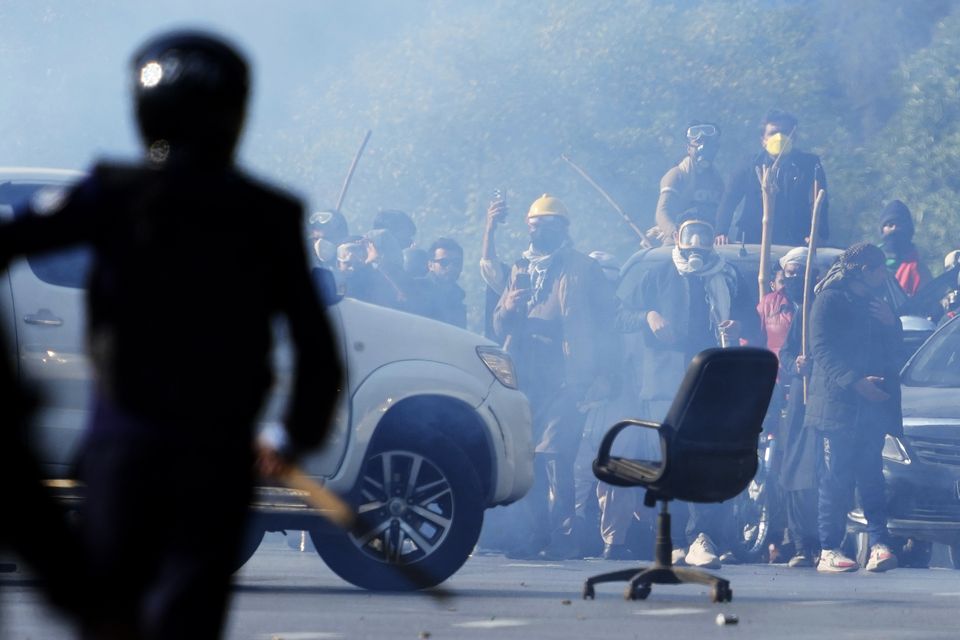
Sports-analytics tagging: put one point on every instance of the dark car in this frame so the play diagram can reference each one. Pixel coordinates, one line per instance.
(922, 468)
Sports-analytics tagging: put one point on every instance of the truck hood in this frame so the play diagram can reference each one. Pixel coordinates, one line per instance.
(375, 336)
(931, 403)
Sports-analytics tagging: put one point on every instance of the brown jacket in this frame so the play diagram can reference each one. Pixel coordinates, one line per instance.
(575, 309)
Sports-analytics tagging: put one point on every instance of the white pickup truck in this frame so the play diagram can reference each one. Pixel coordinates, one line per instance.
(430, 430)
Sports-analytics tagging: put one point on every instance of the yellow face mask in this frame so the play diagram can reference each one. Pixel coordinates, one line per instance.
(778, 144)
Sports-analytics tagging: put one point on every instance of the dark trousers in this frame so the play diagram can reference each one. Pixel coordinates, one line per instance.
(161, 526)
(801, 508)
(713, 519)
(851, 461)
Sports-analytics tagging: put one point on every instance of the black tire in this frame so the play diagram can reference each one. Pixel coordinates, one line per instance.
(912, 553)
(416, 529)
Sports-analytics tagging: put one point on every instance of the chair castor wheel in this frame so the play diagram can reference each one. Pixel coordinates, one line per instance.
(639, 592)
(721, 593)
(588, 593)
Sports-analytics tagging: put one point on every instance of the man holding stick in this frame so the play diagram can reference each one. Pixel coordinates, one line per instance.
(179, 334)
(795, 176)
(854, 400)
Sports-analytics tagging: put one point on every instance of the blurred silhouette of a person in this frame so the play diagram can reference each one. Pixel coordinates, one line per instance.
(34, 527)
(179, 333)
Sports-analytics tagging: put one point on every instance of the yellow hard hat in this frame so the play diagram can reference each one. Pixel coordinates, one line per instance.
(547, 205)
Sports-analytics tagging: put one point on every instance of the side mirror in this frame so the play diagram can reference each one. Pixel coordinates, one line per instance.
(326, 285)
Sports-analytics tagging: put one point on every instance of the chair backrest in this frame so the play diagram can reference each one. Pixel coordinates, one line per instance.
(712, 427)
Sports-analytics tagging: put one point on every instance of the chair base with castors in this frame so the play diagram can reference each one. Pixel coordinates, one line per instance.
(708, 454)
(640, 579)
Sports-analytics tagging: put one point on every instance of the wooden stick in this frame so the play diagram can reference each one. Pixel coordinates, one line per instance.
(808, 280)
(643, 238)
(767, 177)
(331, 506)
(353, 168)
(336, 510)
(768, 192)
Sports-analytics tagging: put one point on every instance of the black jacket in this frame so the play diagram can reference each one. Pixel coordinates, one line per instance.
(848, 344)
(190, 268)
(794, 201)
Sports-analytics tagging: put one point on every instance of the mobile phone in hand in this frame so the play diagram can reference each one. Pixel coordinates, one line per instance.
(499, 198)
(522, 280)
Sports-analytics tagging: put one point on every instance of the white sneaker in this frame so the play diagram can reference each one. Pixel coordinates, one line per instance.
(702, 553)
(679, 558)
(833, 561)
(881, 559)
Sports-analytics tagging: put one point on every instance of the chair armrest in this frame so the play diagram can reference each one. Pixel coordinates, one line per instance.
(603, 454)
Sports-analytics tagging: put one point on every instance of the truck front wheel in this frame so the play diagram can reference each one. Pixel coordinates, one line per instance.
(420, 510)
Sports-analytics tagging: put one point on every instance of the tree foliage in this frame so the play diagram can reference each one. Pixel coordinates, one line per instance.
(464, 98)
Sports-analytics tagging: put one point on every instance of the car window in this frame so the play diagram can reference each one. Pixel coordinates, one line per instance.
(68, 268)
(937, 363)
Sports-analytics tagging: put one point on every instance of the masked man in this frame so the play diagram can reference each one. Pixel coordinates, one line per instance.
(325, 230)
(695, 183)
(556, 319)
(854, 400)
(798, 446)
(796, 176)
(903, 259)
(691, 303)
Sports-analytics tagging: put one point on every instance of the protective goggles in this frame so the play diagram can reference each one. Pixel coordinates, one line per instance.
(698, 131)
(695, 234)
(320, 217)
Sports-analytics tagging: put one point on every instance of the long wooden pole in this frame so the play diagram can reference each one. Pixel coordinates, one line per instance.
(808, 278)
(353, 168)
(768, 195)
(643, 238)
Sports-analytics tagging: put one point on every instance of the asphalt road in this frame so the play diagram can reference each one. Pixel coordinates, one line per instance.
(286, 594)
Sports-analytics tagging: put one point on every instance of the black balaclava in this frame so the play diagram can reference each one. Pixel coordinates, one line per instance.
(896, 243)
(548, 238)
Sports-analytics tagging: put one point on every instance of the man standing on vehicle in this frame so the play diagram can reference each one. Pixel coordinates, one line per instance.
(695, 183)
(556, 319)
(797, 174)
(854, 400)
(179, 334)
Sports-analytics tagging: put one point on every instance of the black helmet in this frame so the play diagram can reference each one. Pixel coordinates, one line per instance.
(191, 91)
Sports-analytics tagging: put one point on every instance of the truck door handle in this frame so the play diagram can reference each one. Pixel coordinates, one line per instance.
(43, 317)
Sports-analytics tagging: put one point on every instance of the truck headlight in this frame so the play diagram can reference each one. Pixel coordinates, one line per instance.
(894, 450)
(500, 365)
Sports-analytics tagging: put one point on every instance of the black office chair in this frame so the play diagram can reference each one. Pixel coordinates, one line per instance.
(708, 447)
